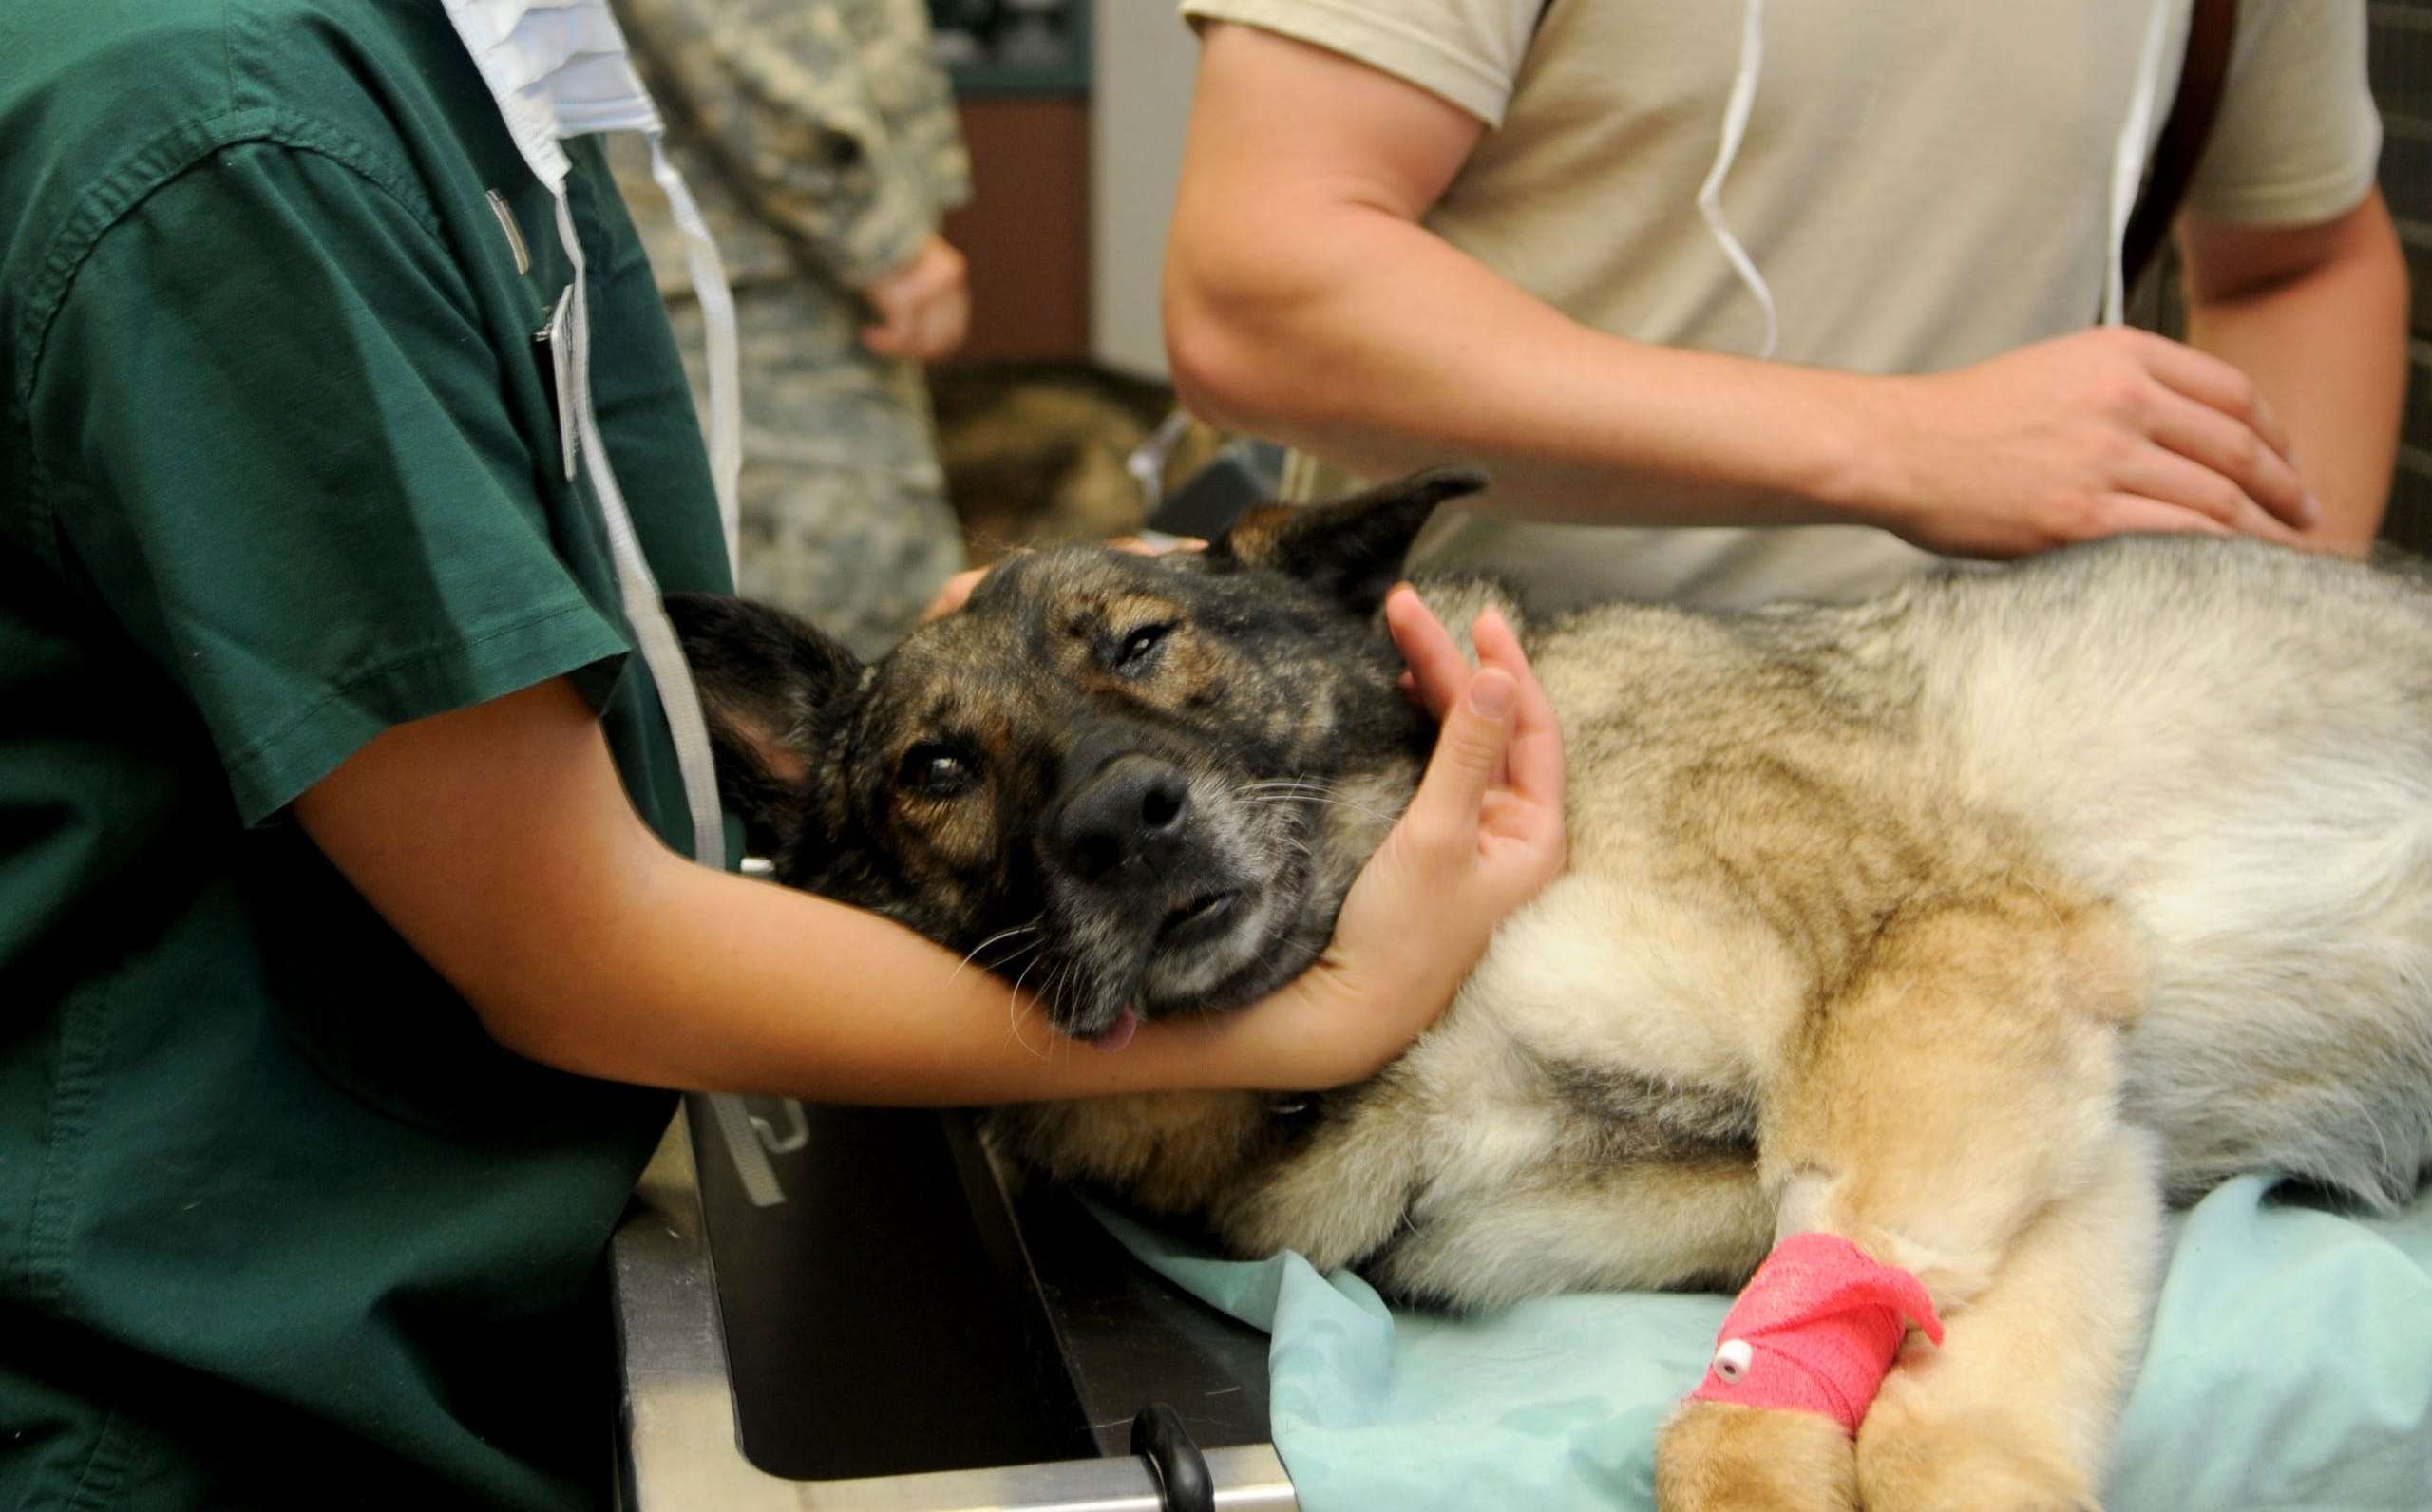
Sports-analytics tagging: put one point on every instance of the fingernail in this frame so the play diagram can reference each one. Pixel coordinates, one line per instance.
(1490, 694)
(2312, 510)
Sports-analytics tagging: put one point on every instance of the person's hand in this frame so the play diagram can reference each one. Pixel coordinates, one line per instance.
(1482, 835)
(956, 592)
(1498, 823)
(924, 308)
(958, 588)
(2099, 433)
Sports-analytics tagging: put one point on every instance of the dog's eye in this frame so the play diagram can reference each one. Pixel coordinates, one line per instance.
(1139, 647)
(935, 771)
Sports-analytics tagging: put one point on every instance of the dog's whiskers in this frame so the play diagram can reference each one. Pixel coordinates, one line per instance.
(1058, 981)
(1014, 954)
(1036, 926)
(1014, 1009)
(1312, 795)
(1285, 785)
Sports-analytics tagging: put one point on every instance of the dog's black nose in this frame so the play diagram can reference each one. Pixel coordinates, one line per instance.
(1135, 807)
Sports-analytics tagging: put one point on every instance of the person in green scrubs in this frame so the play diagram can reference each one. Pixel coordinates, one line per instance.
(347, 949)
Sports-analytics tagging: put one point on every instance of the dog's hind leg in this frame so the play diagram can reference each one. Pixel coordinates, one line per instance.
(2016, 1407)
(1956, 1091)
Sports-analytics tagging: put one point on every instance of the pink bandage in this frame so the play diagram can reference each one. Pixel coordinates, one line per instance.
(1816, 1330)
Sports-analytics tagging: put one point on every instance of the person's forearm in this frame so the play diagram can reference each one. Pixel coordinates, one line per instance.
(499, 841)
(2318, 319)
(661, 971)
(1372, 342)
(2328, 348)
(719, 983)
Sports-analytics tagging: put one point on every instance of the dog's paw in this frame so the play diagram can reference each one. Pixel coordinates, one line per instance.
(1720, 1457)
(1908, 1464)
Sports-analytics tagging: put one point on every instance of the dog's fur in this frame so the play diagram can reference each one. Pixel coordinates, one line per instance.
(1971, 924)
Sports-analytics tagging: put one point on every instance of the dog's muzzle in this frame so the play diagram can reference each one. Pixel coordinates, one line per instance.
(1129, 820)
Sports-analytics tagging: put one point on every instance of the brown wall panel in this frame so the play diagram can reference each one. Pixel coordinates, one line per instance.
(1027, 228)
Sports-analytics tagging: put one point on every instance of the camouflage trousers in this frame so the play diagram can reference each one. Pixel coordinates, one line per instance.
(845, 519)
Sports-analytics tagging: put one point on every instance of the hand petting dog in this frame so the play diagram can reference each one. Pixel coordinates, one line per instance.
(1481, 835)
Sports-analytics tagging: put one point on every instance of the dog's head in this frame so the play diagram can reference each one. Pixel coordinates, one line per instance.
(1134, 785)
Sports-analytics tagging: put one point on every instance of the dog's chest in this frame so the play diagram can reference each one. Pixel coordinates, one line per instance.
(1595, 1029)
(1614, 967)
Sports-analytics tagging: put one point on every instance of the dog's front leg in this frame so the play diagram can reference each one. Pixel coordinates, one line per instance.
(1950, 1112)
(2015, 1408)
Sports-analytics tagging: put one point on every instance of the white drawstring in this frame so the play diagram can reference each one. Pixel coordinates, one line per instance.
(559, 68)
(661, 651)
(2128, 159)
(718, 331)
(1735, 127)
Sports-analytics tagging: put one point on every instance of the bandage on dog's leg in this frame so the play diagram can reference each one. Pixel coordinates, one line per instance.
(1960, 1084)
(1816, 1330)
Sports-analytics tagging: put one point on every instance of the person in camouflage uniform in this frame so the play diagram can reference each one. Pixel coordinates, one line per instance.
(821, 139)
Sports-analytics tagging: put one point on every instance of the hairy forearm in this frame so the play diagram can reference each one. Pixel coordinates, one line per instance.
(1366, 339)
(2328, 347)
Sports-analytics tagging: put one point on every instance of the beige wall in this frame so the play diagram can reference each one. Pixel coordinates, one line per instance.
(1140, 104)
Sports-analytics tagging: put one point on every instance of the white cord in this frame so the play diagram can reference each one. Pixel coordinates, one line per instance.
(1735, 127)
(719, 333)
(663, 653)
(2128, 159)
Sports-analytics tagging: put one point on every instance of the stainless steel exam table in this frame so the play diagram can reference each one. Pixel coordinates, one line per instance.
(908, 1331)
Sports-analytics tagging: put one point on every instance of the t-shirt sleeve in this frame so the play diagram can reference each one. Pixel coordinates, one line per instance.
(1468, 52)
(275, 444)
(2297, 138)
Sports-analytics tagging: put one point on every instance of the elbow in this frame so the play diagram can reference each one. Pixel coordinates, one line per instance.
(1213, 361)
(530, 1035)
(578, 1000)
(1241, 334)
(570, 1042)
(536, 1033)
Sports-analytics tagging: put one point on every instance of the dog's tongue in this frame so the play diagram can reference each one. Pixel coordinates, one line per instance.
(1120, 1035)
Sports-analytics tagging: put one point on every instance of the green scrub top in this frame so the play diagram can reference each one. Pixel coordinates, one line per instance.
(280, 468)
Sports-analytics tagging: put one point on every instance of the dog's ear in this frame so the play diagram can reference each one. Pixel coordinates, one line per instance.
(771, 687)
(1351, 548)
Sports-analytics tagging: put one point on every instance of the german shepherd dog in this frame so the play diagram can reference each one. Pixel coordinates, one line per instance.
(1971, 924)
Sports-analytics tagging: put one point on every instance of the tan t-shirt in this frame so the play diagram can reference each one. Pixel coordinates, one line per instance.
(1923, 184)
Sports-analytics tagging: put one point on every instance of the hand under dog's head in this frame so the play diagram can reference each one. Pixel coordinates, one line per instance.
(1136, 784)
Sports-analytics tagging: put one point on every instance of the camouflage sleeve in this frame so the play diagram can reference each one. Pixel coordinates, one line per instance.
(913, 95)
(828, 117)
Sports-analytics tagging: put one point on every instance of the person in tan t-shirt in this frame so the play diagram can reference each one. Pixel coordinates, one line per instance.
(1811, 288)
